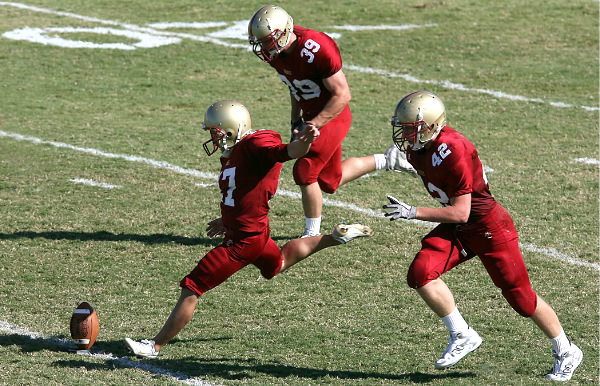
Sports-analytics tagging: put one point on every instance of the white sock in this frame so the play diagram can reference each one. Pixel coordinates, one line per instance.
(561, 343)
(380, 161)
(455, 323)
(313, 225)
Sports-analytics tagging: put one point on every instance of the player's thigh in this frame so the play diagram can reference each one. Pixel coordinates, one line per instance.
(325, 154)
(505, 265)
(213, 269)
(439, 253)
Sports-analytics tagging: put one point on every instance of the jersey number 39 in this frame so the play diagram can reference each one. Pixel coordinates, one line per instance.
(305, 88)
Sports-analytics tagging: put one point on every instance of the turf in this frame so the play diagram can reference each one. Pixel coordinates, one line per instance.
(520, 81)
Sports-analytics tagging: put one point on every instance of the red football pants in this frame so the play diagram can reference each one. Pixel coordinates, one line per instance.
(323, 162)
(494, 240)
(231, 256)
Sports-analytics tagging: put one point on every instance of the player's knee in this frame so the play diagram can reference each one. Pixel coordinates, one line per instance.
(267, 275)
(522, 299)
(301, 172)
(271, 272)
(418, 275)
(327, 187)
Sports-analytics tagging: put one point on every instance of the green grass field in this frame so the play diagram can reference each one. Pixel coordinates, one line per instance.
(84, 102)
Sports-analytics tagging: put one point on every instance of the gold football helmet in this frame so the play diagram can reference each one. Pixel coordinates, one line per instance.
(269, 30)
(228, 121)
(418, 117)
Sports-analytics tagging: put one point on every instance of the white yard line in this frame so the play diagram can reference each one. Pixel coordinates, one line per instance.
(121, 361)
(552, 253)
(382, 27)
(589, 161)
(236, 32)
(457, 86)
(85, 181)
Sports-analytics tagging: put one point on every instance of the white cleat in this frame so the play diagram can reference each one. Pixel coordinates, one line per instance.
(343, 232)
(396, 161)
(309, 233)
(565, 364)
(458, 347)
(144, 348)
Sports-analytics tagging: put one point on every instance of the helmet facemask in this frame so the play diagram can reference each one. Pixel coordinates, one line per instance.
(266, 48)
(217, 139)
(412, 134)
(221, 139)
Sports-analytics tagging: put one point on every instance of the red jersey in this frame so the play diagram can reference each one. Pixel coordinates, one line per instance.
(248, 180)
(451, 167)
(315, 56)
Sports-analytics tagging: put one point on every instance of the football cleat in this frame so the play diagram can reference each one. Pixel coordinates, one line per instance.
(565, 364)
(459, 346)
(144, 348)
(309, 233)
(343, 232)
(396, 161)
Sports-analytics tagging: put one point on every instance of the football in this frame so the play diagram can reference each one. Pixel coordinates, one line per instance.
(84, 326)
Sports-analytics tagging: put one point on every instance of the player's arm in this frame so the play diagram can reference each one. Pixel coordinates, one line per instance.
(295, 109)
(300, 146)
(340, 97)
(456, 213)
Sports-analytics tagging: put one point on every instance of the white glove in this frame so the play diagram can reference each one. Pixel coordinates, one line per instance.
(396, 161)
(399, 209)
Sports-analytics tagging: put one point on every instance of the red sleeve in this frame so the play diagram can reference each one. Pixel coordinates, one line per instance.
(328, 59)
(267, 144)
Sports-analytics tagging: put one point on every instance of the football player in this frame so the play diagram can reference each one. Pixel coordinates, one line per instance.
(309, 63)
(250, 165)
(472, 224)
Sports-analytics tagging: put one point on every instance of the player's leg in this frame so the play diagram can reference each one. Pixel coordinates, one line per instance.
(355, 167)
(567, 356)
(439, 254)
(299, 249)
(312, 204)
(463, 338)
(320, 170)
(546, 319)
(392, 159)
(180, 316)
(438, 297)
(510, 274)
(213, 269)
(505, 265)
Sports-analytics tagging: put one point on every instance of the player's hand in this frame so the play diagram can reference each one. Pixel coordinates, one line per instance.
(399, 209)
(215, 228)
(308, 134)
(297, 127)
